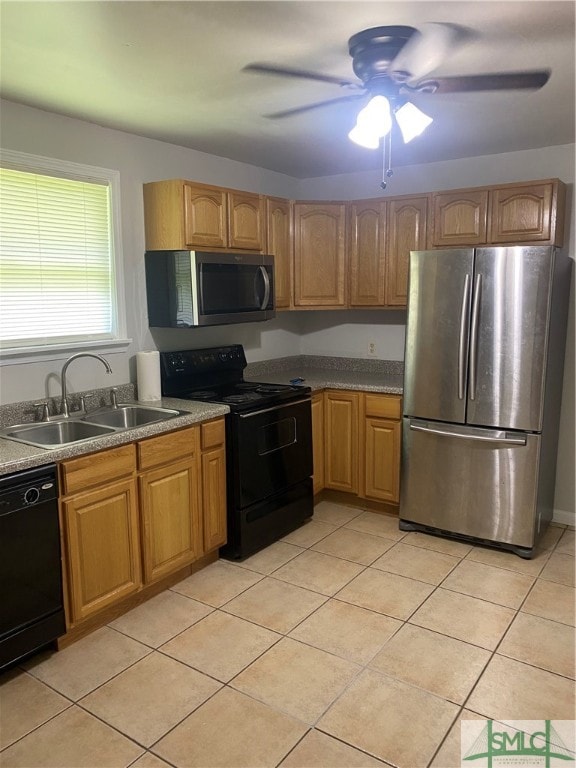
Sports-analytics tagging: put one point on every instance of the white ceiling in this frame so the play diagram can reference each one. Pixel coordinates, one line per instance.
(173, 71)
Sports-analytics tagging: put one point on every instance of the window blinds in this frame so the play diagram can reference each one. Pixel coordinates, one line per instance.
(56, 276)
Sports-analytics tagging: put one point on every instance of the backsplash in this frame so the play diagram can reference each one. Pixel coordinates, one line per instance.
(352, 364)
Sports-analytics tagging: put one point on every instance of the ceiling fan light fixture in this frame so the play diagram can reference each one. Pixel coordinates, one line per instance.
(373, 122)
(411, 121)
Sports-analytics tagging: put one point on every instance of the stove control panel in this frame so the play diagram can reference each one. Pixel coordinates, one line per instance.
(203, 361)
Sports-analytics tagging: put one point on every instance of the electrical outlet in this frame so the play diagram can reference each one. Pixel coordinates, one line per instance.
(372, 349)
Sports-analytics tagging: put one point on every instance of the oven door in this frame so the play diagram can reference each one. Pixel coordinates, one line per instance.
(270, 450)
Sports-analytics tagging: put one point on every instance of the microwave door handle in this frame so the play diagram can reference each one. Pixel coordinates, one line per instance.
(266, 277)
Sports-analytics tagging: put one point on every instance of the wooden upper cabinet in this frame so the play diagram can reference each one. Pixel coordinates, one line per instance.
(280, 245)
(246, 221)
(528, 213)
(367, 223)
(319, 255)
(180, 214)
(406, 231)
(459, 218)
(205, 216)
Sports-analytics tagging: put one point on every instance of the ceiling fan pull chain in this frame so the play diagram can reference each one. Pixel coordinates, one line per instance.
(387, 171)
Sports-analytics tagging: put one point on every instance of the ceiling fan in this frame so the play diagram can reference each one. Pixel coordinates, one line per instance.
(390, 64)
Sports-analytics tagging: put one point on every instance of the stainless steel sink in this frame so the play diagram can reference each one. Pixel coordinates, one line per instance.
(56, 434)
(130, 416)
(78, 429)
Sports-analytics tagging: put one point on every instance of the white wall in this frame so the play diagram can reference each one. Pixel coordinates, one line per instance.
(328, 333)
(139, 160)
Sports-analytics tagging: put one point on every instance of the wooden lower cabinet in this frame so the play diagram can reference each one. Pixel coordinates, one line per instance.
(214, 497)
(134, 515)
(359, 444)
(318, 441)
(341, 430)
(171, 521)
(101, 530)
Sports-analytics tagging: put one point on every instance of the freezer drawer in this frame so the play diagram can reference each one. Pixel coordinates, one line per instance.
(470, 481)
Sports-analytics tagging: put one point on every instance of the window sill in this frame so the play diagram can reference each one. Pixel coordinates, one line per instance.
(20, 355)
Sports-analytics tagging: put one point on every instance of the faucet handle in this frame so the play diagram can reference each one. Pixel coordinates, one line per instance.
(114, 397)
(45, 415)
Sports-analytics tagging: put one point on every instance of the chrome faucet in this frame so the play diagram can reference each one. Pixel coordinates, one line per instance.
(64, 402)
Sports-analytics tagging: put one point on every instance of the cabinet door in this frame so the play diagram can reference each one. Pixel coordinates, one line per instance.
(341, 440)
(214, 498)
(102, 539)
(245, 221)
(318, 441)
(204, 217)
(319, 255)
(367, 253)
(406, 231)
(522, 214)
(172, 530)
(459, 218)
(279, 244)
(382, 459)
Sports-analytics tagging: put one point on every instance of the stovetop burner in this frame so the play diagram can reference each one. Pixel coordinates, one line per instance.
(246, 397)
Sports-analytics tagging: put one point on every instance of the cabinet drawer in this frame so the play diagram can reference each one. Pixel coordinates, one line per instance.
(97, 468)
(212, 434)
(169, 447)
(385, 406)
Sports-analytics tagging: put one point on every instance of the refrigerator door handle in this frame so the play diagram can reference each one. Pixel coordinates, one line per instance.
(474, 335)
(465, 436)
(463, 337)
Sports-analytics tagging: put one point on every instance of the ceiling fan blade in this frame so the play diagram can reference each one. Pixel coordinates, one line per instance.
(426, 50)
(498, 81)
(309, 107)
(272, 69)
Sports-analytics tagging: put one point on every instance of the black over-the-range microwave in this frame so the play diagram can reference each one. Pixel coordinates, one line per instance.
(191, 288)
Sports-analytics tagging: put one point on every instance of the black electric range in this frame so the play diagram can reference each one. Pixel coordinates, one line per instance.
(268, 443)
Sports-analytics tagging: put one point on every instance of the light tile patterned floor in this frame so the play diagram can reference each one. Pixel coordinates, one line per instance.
(349, 644)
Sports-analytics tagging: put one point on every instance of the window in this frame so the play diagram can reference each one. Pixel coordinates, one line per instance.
(59, 260)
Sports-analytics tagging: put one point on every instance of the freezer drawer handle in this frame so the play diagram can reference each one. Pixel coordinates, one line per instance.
(464, 436)
(474, 336)
(463, 338)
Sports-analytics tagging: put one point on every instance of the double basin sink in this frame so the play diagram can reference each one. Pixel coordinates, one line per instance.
(76, 429)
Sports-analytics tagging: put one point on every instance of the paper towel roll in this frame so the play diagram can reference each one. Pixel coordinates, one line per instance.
(148, 375)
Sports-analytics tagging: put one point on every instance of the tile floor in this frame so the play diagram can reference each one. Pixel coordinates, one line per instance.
(346, 644)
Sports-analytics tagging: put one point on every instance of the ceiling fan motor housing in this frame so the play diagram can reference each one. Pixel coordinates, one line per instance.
(374, 49)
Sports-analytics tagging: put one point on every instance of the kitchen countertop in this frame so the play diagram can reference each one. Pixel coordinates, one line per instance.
(318, 372)
(15, 457)
(321, 378)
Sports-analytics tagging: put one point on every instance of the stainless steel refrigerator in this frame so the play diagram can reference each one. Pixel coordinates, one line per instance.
(485, 343)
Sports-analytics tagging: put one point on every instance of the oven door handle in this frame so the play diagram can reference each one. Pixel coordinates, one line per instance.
(274, 408)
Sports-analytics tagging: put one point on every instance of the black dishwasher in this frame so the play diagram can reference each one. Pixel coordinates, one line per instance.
(31, 606)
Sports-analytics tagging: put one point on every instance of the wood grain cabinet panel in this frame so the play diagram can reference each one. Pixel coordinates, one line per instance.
(280, 245)
(246, 221)
(382, 459)
(319, 255)
(214, 498)
(459, 218)
(205, 216)
(170, 509)
(406, 231)
(526, 213)
(341, 425)
(318, 441)
(367, 256)
(103, 550)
